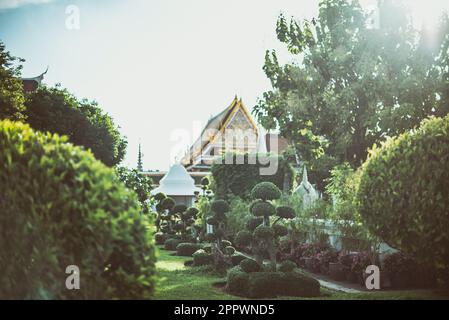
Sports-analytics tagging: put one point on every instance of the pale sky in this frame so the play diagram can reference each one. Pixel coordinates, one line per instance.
(158, 67)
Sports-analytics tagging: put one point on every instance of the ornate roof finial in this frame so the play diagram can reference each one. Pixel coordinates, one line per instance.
(304, 174)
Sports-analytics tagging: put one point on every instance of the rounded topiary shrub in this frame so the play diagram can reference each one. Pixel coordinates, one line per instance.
(236, 258)
(263, 233)
(171, 244)
(60, 207)
(403, 193)
(261, 208)
(280, 230)
(249, 265)
(201, 258)
(285, 212)
(287, 266)
(263, 284)
(243, 238)
(160, 238)
(297, 284)
(266, 191)
(237, 281)
(187, 249)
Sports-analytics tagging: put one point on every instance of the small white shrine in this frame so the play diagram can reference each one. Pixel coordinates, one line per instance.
(306, 191)
(179, 185)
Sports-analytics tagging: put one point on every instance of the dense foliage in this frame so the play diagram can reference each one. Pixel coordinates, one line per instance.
(139, 183)
(84, 122)
(239, 179)
(61, 207)
(404, 193)
(11, 92)
(353, 83)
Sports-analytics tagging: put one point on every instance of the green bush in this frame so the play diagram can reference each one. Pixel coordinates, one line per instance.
(187, 249)
(239, 179)
(285, 212)
(220, 206)
(249, 265)
(297, 284)
(253, 223)
(59, 207)
(404, 193)
(287, 266)
(266, 191)
(243, 238)
(261, 208)
(229, 250)
(263, 284)
(280, 230)
(237, 281)
(160, 238)
(201, 258)
(263, 233)
(171, 244)
(236, 258)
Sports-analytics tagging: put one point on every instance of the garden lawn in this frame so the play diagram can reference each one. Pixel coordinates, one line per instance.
(178, 282)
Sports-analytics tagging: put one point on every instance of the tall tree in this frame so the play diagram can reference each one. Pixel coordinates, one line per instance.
(84, 122)
(352, 84)
(11, 91)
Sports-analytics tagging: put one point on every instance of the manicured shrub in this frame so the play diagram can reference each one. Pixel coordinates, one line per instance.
(287, 266)
(201, 258)
(297, 284)
(220, 206)
(60, 207)
(237, 281)
(225, 243)
(249, 265)
(280, 230)
(160, 238)
(263, 233)
(210, 237)
(171, 244)
(285, 212)
(253, 223)
(266, 191)
(261, 208)
(239, 179)
(187, 249)
(263, 284)
(404, 193)
(236, 258)
(243, 238)
(229, 250)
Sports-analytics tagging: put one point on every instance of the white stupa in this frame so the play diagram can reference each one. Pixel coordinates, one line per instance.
(178, 184)
(306, 191)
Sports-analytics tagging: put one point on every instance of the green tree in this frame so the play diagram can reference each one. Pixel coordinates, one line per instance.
(84, 122)
(352, 84)
(11, 91)
(137, 182)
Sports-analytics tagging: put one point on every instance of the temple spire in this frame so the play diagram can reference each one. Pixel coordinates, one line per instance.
(139, 160)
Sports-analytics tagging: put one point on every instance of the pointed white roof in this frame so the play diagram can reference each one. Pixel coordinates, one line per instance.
(177, 182)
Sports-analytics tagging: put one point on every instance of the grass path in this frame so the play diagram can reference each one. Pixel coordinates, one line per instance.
(178, 282)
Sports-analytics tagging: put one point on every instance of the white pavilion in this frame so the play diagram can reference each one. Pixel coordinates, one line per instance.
(179, 185)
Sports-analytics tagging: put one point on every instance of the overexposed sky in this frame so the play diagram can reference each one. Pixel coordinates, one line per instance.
(160, 68)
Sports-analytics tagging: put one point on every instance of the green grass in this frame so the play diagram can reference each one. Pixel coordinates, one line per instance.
(178, 282)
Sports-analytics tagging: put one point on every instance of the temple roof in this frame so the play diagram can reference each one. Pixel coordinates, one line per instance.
(31, 84)
(215, 126)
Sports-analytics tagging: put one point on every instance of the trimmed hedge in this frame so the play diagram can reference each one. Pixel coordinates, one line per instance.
(60, 207)
(237, 281)
(297, 284)
(186, 249)
(264, 284)
(287, 266)
(249, 265)
(236, 258)
(201, 258)
(403, 193)
(160, 238)
(171, 244)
